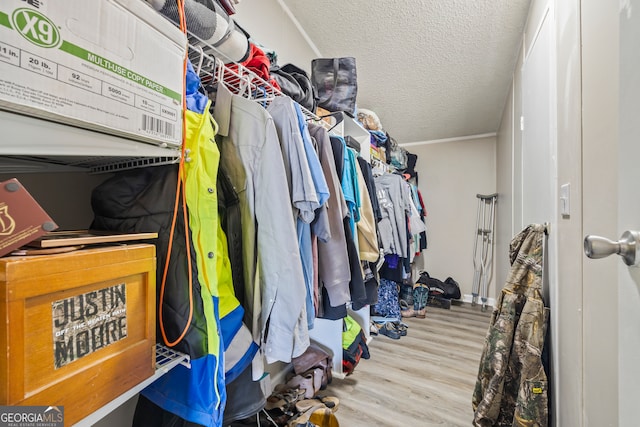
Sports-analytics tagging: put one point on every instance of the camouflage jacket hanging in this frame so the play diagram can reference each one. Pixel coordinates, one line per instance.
(511, 389)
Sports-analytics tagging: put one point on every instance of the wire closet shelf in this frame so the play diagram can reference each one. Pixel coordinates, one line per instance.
(213, 67)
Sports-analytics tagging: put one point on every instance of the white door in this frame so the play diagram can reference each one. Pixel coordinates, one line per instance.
(629, 212)
(611, 174)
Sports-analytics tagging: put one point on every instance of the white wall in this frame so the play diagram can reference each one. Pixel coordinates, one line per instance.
(504, 187)
(450, 175)
(517, 223)
(540, 150)
(269, 25)
(538, 136)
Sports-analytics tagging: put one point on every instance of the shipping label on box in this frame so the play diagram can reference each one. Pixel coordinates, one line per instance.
(115, 66)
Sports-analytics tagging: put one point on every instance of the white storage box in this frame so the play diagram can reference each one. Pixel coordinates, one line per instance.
(111, 65)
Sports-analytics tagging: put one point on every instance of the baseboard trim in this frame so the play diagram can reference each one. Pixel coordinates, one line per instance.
(468, 298)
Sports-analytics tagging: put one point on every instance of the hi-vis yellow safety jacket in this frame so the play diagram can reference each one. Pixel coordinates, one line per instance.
(198, 394)
(219, 345)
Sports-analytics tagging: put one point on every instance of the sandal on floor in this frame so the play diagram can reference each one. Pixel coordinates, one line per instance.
(275, 417)
(303, 419)
(283, 398)
(388, 330)
(373, 329)
(401, 328)
(405, 310)
(305, 404)
(330, 402)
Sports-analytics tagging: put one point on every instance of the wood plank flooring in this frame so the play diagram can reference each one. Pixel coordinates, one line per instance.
(423, 379)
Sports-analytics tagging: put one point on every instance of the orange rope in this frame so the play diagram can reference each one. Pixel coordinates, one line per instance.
(180, 190)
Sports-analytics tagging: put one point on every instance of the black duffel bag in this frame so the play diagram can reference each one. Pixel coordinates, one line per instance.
(448, 289)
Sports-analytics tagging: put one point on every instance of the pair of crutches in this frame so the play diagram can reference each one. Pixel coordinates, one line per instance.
(483, 248)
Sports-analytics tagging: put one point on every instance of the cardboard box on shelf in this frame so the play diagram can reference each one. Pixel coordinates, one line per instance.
(114, 66)
(78, 329)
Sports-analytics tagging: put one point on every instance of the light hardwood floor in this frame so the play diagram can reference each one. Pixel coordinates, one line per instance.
(423, 379)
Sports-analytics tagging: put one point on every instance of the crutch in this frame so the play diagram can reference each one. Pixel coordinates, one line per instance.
(482, 258)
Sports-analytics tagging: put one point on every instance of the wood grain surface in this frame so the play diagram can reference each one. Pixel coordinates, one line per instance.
(423, 379)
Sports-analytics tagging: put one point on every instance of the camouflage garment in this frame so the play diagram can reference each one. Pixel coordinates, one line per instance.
(511, 389)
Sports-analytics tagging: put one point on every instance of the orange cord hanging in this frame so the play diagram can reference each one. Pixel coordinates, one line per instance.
(179, 191)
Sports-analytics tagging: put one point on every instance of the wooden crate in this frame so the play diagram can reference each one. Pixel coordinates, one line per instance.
(78, 328)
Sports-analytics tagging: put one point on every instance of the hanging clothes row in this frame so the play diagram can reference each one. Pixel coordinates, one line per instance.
(401, 230)
(401, 225)
(244, 288)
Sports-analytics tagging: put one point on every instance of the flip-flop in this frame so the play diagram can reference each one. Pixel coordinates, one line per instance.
(305, 404)
(283, 398)
(330, 402)
(302, 420)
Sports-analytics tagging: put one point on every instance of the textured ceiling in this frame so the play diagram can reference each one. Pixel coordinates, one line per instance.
(430, 69)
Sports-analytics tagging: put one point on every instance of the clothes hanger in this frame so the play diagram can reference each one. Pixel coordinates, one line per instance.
(337, 115)
(200, 59)
(263, 100)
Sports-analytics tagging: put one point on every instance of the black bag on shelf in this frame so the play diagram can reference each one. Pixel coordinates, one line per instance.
(335, 81)
(295, 82)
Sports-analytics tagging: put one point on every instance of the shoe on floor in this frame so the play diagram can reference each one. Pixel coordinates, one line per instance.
(410, 312)
(388, 330)
(420, 297)
(401, 328)
(406, 310)
(373, 329)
